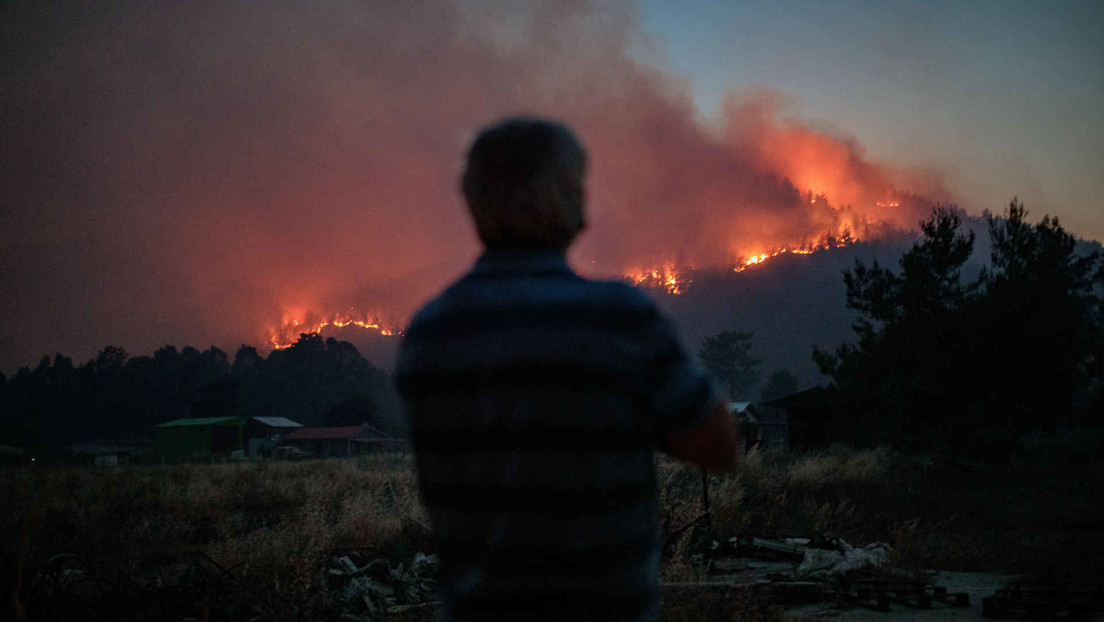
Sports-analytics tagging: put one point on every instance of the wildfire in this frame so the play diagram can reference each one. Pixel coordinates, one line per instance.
(675, 281)
(666, 277)
(747, 262)
(288, 332)
(762, 257)
(843, 238)
(671, 277)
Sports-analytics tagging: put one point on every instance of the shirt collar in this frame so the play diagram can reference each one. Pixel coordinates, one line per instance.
(499, 261)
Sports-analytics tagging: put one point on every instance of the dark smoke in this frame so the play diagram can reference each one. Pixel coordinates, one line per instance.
(193, 173)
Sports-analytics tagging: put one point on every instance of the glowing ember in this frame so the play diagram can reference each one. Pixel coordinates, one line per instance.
(288, 333)
(888, 204)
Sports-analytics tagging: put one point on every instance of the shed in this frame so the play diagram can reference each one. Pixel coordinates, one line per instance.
(766, 426)
(264, 433)
(342, 441)
(814, 417)
(200, 438)
(373, 440)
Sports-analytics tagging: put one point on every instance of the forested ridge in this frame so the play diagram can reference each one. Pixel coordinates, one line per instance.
(947, 357)
(315, 382)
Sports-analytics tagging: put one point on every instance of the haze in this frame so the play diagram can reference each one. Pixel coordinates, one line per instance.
(199, 173)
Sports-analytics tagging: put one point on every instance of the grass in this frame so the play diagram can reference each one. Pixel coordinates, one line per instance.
(274, 524)
(838, 493)
(1040, 513)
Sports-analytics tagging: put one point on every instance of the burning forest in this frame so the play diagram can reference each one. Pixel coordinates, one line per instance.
(905, 380)
(226, 190)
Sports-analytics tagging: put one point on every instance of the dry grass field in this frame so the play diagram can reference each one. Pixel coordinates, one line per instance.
(273, 525)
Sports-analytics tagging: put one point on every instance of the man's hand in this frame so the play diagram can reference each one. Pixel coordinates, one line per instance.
(710, 444)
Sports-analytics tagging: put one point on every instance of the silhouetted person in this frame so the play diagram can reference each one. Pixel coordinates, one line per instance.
(537, 399)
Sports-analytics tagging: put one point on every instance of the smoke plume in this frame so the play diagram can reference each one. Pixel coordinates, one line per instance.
(201, 172)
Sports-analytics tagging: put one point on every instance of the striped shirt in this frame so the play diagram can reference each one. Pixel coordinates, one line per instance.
(537, 399)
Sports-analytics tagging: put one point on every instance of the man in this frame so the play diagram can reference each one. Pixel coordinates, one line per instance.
(537, 399)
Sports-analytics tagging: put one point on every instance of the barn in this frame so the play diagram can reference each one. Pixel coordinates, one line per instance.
(204, 437)
(342, 441)
(264, 433)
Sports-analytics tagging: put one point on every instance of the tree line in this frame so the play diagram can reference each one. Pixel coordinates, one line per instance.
(967, 366)
(114, 395)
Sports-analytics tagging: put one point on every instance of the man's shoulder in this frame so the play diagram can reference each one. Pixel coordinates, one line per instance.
(623, 294)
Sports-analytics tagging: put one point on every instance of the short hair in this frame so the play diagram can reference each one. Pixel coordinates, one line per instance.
(523, 183)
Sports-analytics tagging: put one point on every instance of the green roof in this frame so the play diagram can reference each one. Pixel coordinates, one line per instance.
(177, 423)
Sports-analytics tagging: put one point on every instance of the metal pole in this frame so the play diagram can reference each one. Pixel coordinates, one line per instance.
(705, 500)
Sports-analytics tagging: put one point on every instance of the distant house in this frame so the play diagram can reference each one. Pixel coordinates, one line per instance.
(814, 420)
(343, 441)
(182, 439)
(264, 433)
(766, 427)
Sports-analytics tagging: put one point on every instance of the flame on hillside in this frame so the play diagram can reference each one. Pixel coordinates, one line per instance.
(672, 277)
(826, 242)
(287, 333)
(762, 257)
(666, 277)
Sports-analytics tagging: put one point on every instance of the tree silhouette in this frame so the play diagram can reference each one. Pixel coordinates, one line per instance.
(780, 384)
(217, 399)
(940, 364)
(117, 396)
(728, 356)
(1039, 296)
(911, 353)
(353, 411)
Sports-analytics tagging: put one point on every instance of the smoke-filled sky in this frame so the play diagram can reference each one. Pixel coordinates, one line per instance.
(198, 173)
(1004, 97)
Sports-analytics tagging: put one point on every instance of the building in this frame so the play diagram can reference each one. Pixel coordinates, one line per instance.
(343, 441)
(766, 427)
(264, 433)
(814, 417)
(184, 439)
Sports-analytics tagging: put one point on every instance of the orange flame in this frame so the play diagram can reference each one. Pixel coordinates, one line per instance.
(665, 277)
(674, 280)
(762, 257)
(286, 334)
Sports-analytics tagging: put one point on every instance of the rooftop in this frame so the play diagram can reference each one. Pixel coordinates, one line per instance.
(176, 423)
(303, 434)
(278, 422)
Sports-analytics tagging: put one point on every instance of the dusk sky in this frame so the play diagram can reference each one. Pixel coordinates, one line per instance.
(200, 173)
(1004, 97)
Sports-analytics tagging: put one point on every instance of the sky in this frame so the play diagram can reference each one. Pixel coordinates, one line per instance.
(1003, 97)
(214, 173)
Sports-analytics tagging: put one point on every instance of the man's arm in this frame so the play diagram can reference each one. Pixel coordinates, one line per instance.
(710, 443)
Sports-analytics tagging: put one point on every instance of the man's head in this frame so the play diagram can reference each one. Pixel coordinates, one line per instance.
(523, 183)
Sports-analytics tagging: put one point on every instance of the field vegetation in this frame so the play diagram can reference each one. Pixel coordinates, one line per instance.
(274, 525)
